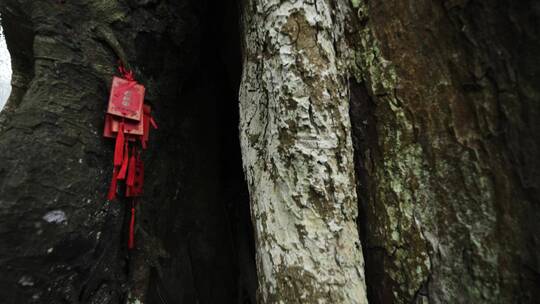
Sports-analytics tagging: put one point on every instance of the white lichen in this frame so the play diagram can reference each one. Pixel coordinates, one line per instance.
(55, 216)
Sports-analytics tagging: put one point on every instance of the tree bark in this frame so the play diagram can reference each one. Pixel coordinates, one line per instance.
(297, 153)
(443, 99)
(58, 236)
(61, 242)
(445, 106)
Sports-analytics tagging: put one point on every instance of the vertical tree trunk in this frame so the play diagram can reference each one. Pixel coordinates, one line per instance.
(297, 153)
(446, 125)
(60, 241)
(445, 100)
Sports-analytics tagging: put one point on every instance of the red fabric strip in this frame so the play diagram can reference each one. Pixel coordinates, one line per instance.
(112, 188)
(125, 162)
(131, 240)
(125, 73)
(131, 170)
(119, 145)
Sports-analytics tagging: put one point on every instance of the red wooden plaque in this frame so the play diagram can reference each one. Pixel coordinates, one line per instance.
(130, 126)
(126, 99)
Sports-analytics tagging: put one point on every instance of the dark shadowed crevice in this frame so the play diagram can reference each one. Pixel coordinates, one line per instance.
(197, 218)
(364, 135)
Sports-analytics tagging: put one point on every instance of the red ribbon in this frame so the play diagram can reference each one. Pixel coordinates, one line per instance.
(128, 75)
(112, 188)
(131, 240)
(125, 161)
(131, 171)
(119, 145)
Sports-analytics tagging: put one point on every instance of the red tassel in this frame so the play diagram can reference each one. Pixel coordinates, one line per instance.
(131, 171)
(119, 146)
(112, 188)
(125, 162)
(131, 241)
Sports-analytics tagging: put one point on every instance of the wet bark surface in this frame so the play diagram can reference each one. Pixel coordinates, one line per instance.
(444, 106)
(61, 241)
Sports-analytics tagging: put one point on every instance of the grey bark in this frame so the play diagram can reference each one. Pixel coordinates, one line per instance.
(297, 153)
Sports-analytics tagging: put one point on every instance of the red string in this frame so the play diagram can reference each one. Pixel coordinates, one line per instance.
(131, 240)
(128, 75)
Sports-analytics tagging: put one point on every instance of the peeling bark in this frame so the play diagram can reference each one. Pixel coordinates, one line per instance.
(297, 153)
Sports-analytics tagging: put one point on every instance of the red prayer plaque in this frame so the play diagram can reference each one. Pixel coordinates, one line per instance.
(130, 127)
(126, 99)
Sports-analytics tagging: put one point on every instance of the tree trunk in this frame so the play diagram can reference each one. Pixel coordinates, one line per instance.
(297, 153)
(61, 241)
(445, 111)
(443, 99)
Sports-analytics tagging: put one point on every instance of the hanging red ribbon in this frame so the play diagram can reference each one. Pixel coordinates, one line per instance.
(119, 145)
(131, 240)
(125, 161)
(128, 75)
(129, 123)
(131, 170)
(111, 195)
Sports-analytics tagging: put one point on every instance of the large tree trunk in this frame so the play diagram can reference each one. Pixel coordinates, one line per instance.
(445, 114)
(297, 153)
(61, 242)
(444, 100)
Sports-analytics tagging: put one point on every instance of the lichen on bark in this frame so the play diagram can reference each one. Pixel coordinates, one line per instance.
(437, 164)
(297, 154)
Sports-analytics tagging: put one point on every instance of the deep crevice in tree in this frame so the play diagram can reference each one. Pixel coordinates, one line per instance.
(201, 221)
(364, 136)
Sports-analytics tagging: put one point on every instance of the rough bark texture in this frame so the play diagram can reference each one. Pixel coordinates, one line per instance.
(297, 153)
(445, 112)
(60, 241)
(445, 100)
